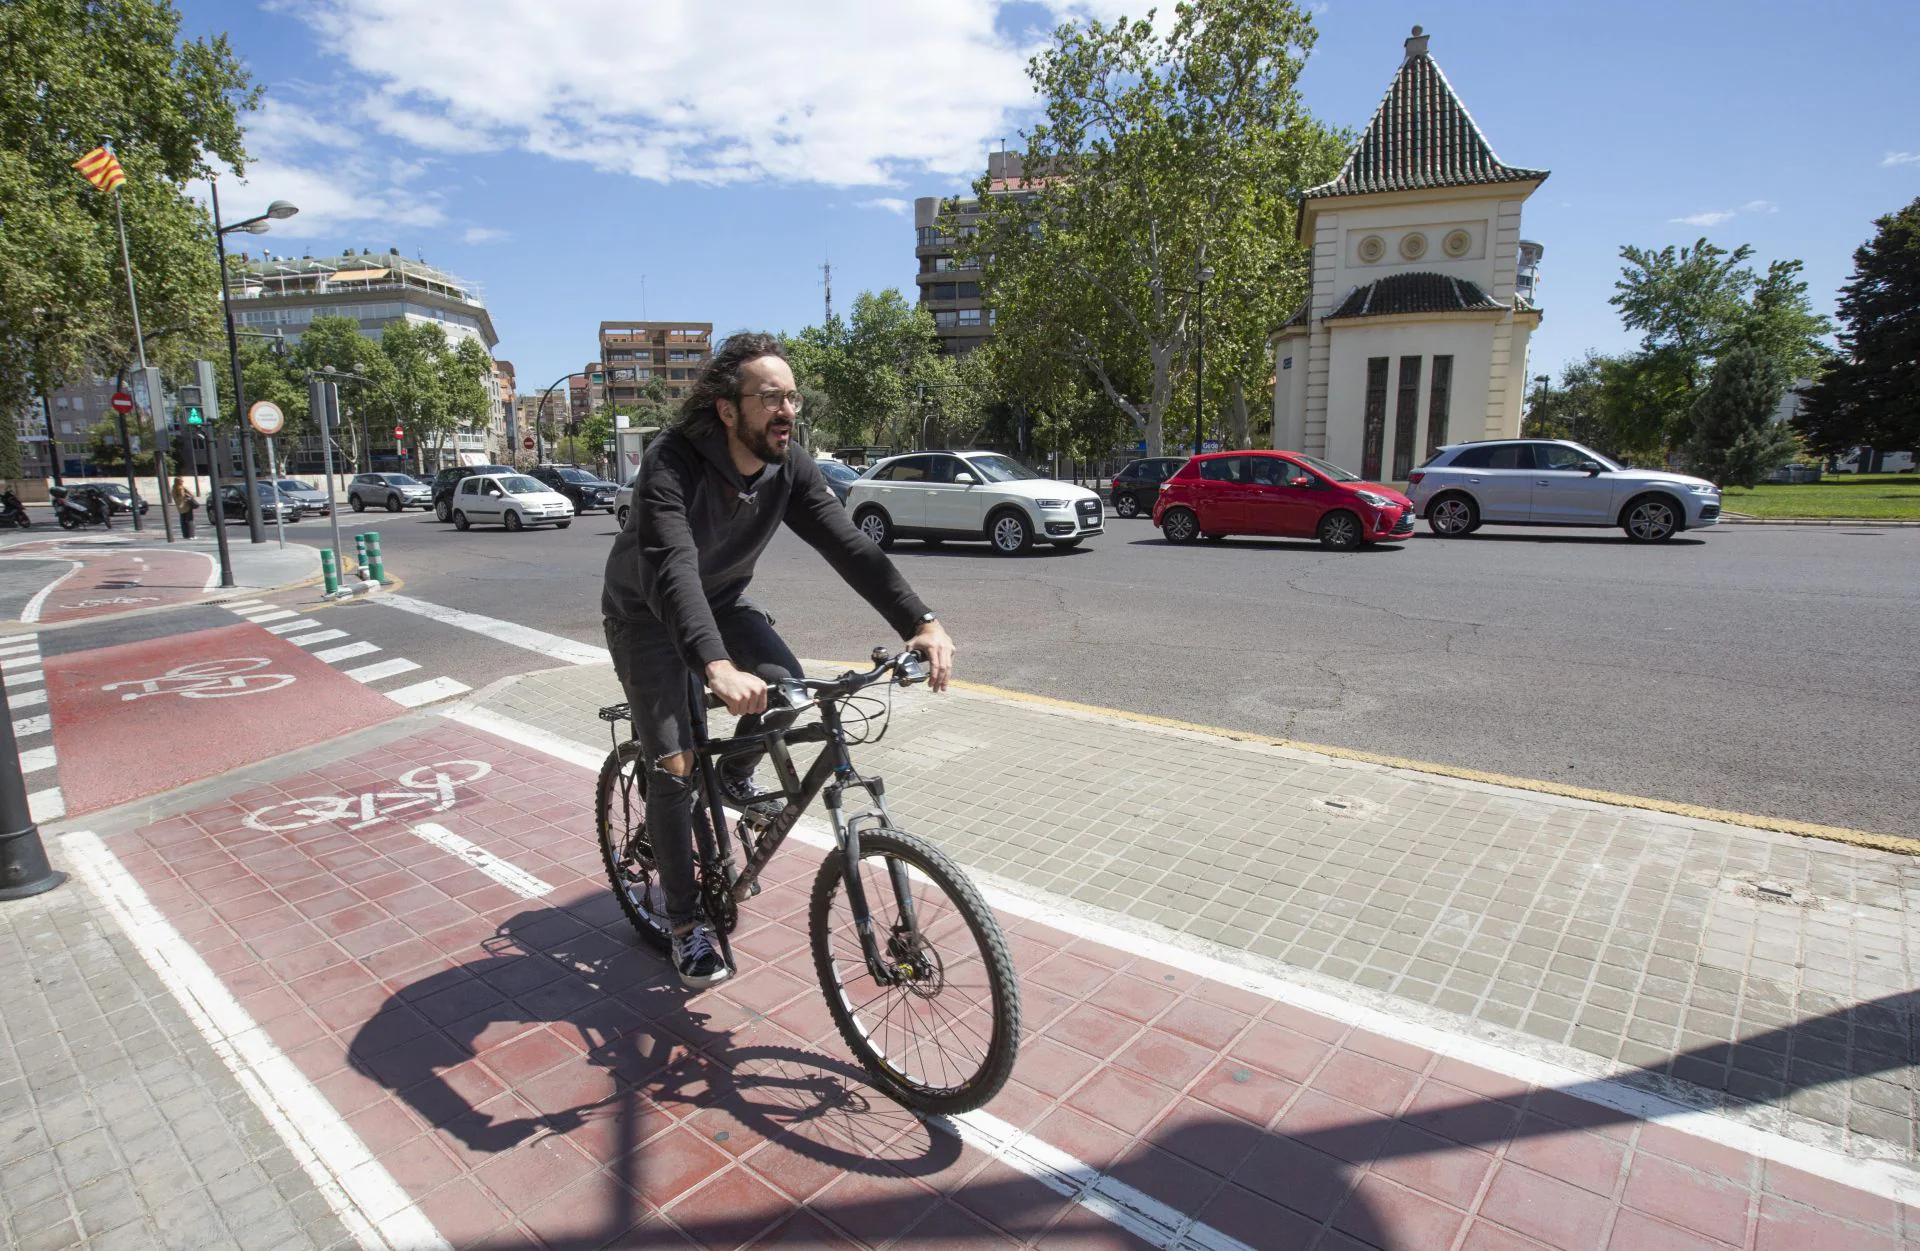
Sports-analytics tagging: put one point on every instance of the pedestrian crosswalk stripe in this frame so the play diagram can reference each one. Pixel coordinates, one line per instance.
(27, 677)
(288, 627)
(383, 669)
(19, 662)
(47, 805)
(36, 758)
(27, 699)
(32, 725)
(277, 614)
(426, 692)
(347, 651)
(318, 636)
(20, 649)
(243, 603)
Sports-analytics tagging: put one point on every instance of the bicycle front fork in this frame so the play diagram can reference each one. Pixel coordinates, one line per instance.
(884, 966)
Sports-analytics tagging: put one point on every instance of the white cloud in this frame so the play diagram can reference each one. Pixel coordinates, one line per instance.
(1703, 219)
(1901, 158)
(886, 203)
(485, 234)
(1759, 206)
(833, 92)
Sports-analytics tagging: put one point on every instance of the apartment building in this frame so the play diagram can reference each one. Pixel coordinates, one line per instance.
(635, 353)
(949, 286)
(504, 426)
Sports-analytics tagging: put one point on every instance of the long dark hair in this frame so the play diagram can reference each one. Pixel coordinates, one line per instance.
(720, 380)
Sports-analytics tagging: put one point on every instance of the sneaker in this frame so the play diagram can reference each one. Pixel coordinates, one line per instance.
(697, 958)
(750, 797)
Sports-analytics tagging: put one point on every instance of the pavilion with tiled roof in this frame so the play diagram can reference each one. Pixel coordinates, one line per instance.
(1414, 332)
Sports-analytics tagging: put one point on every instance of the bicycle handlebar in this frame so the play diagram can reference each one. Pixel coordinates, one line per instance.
(906, 668)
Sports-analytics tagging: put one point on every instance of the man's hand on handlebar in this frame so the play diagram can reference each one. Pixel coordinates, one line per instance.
(932, 642)
(741, 692)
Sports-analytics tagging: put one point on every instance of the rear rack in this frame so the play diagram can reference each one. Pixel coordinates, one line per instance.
(616, 712)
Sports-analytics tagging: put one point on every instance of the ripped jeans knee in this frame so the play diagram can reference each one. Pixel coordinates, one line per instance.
(670, 802)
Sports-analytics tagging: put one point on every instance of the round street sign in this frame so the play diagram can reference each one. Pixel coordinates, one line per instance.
(266, 417)
(527, 443)
(122, 402)
(399, 432)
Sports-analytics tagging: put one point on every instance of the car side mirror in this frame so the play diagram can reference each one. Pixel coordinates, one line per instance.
(964, 479)
(1593, 467)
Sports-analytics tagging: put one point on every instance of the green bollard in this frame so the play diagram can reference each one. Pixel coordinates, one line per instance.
(360, 556)
(376, 567)
(328, 573)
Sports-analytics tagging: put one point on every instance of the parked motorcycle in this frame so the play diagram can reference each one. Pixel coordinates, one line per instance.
(13, 513)
(82, 506)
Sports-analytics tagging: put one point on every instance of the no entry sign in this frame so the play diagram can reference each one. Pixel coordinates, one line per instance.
(527, 443)
(122, 402)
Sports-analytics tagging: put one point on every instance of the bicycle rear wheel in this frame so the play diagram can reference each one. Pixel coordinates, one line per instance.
(620, 816)
(940, 1037)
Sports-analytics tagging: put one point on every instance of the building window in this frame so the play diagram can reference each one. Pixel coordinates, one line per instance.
(619, 356)
(643, 356)
(1437, 403)
(1375, 428)
(643, 374)
(969, 317)
(969, 290)
(61, 402)
(945, 320)
(1406, 417)
(942, 291)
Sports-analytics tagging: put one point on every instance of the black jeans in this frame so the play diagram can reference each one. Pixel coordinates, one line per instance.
(186, 523)
(656, 681)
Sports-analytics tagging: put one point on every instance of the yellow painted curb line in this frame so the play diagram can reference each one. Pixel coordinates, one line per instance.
(1804, 829)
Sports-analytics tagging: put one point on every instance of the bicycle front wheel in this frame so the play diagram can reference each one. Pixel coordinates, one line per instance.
(940, 1031)
(620, 816)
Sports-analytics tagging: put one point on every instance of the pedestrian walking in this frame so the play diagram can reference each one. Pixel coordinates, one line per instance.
(184, 504)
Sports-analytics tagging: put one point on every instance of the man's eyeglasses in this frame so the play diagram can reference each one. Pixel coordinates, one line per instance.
(770, 401)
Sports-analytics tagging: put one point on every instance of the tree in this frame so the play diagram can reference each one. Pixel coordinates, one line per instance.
(1871, 394)
(431, 388)
(1736, 441)
(1160, 154)
(1613, 404)
(76, 72)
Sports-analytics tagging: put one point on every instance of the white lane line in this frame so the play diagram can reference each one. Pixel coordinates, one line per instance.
(288, 627)
(347, 651)
(427, 692)
(272, 614)
(26, 677)
(27, 699)
(237, 604)
(318, 636)
(21, 662)
(383, 669)
(1877, 1177)
(33, 759)
(511, 876)
(32, 725)
(31, 612)
(47, 805)
(533, 640)
(373, 1207)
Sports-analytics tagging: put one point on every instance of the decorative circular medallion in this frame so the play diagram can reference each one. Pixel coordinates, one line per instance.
(1372, 248)
(1457, 243)
(1413, 245)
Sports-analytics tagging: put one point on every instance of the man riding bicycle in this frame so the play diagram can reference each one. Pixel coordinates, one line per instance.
(709, 495)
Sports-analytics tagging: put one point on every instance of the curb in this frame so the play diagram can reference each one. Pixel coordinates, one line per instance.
(1741, 519)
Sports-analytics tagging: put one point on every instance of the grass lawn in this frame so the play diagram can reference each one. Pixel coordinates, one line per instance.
(1888, 496)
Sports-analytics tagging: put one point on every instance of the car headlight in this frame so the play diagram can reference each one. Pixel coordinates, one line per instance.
(1375, 499)
(1050, 503)
(1704, 488)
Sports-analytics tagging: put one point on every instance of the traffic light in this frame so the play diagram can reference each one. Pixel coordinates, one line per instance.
(190, 404)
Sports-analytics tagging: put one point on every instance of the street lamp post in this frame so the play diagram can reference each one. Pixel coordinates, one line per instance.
(1200, 362)
(279, 209)
(540, 408)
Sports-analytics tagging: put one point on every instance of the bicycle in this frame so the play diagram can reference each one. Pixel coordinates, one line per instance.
(886, 985)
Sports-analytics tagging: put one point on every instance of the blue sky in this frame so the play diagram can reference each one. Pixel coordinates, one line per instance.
(560, 153)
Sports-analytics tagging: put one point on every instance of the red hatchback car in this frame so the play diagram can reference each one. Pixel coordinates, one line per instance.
(1278, 493)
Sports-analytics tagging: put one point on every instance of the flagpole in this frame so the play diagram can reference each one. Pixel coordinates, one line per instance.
(140, 343)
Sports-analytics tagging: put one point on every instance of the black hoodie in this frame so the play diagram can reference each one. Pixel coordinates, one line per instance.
(697, 529)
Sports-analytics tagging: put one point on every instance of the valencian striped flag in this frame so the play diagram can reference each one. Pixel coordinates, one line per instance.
(99, 168)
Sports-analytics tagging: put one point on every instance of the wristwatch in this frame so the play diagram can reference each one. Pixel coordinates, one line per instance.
(927, 618)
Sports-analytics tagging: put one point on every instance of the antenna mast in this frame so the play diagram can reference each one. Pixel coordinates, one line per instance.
(826, 270)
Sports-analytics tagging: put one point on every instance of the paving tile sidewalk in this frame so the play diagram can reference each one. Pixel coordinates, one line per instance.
(119, 1126)
(1604, 938)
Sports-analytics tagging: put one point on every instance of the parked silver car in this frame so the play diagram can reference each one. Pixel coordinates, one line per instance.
(310, 497)
(1555, 482)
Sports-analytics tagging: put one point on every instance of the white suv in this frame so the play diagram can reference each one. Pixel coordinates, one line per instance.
(935, 496)
(1555, 482)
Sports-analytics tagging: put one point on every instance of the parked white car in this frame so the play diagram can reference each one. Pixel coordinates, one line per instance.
(1555, 482)
(513, 500)
(979, 496)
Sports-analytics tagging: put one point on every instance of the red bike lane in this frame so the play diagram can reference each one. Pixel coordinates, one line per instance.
(140, 718)
(425, 932)
(113, 576)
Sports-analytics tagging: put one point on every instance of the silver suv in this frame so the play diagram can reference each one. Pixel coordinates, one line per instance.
(1555, 482)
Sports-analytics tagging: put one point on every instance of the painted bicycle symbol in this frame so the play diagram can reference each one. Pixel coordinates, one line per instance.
(208, 679)
(108, 600)
(426, 789)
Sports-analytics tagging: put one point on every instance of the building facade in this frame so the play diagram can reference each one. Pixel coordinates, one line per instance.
(1423, 293)
(636, 353)
(948, 284)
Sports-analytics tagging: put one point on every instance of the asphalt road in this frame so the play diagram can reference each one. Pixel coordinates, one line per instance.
(1768, 669)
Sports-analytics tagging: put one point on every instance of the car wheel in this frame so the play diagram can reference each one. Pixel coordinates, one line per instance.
(561, 525)
(1126, 506)
(874, 524)
(443, 510)
(1340, 531)
(622, 516)
(460, 521)
(1453, 517)
(1179, 525)
(1010, 533)
(359, 505)
(512, 520)
(1651, 519)
(395, 503)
